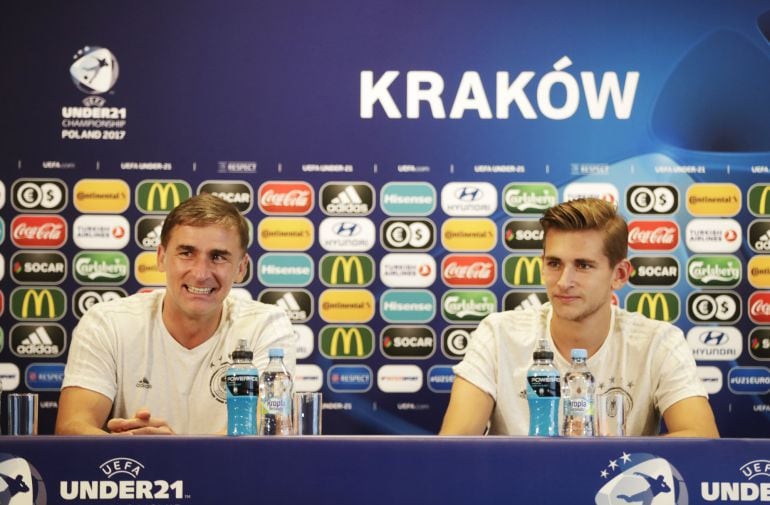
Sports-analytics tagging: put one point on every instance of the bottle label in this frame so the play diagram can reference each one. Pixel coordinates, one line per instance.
(242, 385)
(579, 407)
(544, 386)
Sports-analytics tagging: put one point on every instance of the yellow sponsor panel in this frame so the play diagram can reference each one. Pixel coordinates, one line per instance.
(146, 270)
(346, 305)
(111, 196)
(718, 200)
(40, 300)
(759, 271)
(285, 234)
(459, 234)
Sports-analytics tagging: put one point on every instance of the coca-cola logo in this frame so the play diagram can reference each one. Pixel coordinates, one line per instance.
(653, 235)
(285, 198)
(759, 307)
(468, 270)
(41, 231)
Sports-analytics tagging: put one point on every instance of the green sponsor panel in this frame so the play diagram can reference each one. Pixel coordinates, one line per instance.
(346, 342)
(347, 270)
(523, 271)
(161, 196)
(38, 304)
(759, 199)
(714, 271)
(101, 267)
(661, 305)
(465, 305)
(529, 198)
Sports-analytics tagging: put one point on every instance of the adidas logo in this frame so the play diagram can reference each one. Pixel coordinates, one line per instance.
(38, 342)
(531, 301)
(348, 201)
(143, 383)
(288, 303)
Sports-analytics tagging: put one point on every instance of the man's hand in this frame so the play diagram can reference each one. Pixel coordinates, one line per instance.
(141, 424)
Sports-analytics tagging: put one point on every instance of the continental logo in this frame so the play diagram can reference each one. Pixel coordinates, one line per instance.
(408, 306)
(408, 199)
(521, 271)
(38, 304)
(713, 199)
(716, 307)
(147, 232)
(37, 340)
(346, 305)
(661, 306)
(93, 267)
(146, 269)
(101, 196)
(521, 300)
(654, 271)
(347, 270)
(652, 199)
(239, 193)
(346, 342)
(759, 307)
(297, 303)
(285, 269)
(466, 234)
(454, 341)
(347, 199)
(85, 298)
(759, 200)
(759, 344)
(759, 271)
(286, 197)
(467, 305)
(529, 198)
(39, 195)
(409, 235)
(38, 267)
(710, 271)
(468, 270)
(522, 234)
(469, 199)
(407, 342)
(285, 234)
(160, 197)
(759, 236)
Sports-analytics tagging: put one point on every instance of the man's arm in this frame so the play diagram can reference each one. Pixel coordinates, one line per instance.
(468, 411)
(691, 417)
(82, 412)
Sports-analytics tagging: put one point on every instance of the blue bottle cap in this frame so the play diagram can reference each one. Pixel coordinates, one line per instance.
(275, 352)
(579, 353)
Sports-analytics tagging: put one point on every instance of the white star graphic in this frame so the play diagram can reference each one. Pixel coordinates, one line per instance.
(604, 473)
(626, 457)
(613, 464)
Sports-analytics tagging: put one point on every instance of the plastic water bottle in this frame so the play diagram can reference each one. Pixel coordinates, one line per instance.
(242, 380)
(543, 393)
(578, 393)
(275, 396)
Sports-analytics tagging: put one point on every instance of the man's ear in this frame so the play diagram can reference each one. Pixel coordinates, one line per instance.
(242, 266)
(621, 273)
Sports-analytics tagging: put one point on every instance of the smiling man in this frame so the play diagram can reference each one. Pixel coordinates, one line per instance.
(584, 261)
(153, 363)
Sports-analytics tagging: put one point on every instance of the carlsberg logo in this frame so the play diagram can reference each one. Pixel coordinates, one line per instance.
(714, 271)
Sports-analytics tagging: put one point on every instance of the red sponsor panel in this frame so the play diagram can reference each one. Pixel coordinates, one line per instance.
(759, 307)
(468, 270)
(288, 197)
(653, 235)
(39, 231)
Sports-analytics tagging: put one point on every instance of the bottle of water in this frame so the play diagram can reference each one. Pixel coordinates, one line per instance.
(578, 393)
(275, 396)
(543, 393)
(242, 380)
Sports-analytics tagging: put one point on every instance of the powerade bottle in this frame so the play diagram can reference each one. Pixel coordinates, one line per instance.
(242, 381)
(275, 387)
(543, 394)
(578, 393)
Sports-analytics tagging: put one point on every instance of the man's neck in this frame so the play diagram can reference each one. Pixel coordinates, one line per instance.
(190, 333)
(588, 334)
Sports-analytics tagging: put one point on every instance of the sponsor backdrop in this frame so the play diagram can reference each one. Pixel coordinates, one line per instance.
(393, 160)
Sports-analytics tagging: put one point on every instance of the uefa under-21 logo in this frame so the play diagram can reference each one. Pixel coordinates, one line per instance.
(641, 478)
(95, 70)
(19, 478)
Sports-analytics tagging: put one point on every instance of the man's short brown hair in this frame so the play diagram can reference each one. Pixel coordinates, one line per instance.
(206, 210)
(590, 214)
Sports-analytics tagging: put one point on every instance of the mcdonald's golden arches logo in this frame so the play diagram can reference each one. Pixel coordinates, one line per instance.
(346, 342)
(523, 271)
(38, 304)
(160, 197)
(759, 199)
(661, 306)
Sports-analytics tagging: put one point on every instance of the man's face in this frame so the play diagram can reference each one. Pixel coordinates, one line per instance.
(578, 276)
(201, 263)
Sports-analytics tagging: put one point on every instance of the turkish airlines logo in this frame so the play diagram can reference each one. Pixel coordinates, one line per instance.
(290, 197)
(653, 235)
(101, 232)
(45, 232)
(38, 195)
(713, 235)
(652, 199)
(468, 270)
(759, 307)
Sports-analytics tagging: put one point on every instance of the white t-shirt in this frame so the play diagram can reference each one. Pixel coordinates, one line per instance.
(648, 361)
(122, 350)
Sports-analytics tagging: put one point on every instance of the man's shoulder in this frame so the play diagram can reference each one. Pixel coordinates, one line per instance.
(641, 326)
(143, 303)
(518, 319)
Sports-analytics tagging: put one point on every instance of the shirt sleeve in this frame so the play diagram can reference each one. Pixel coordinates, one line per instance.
(276, 332)
(480, 364)
(91, 359)
(677, 376)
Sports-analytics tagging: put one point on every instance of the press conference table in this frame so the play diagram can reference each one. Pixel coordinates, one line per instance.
(382, 470)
